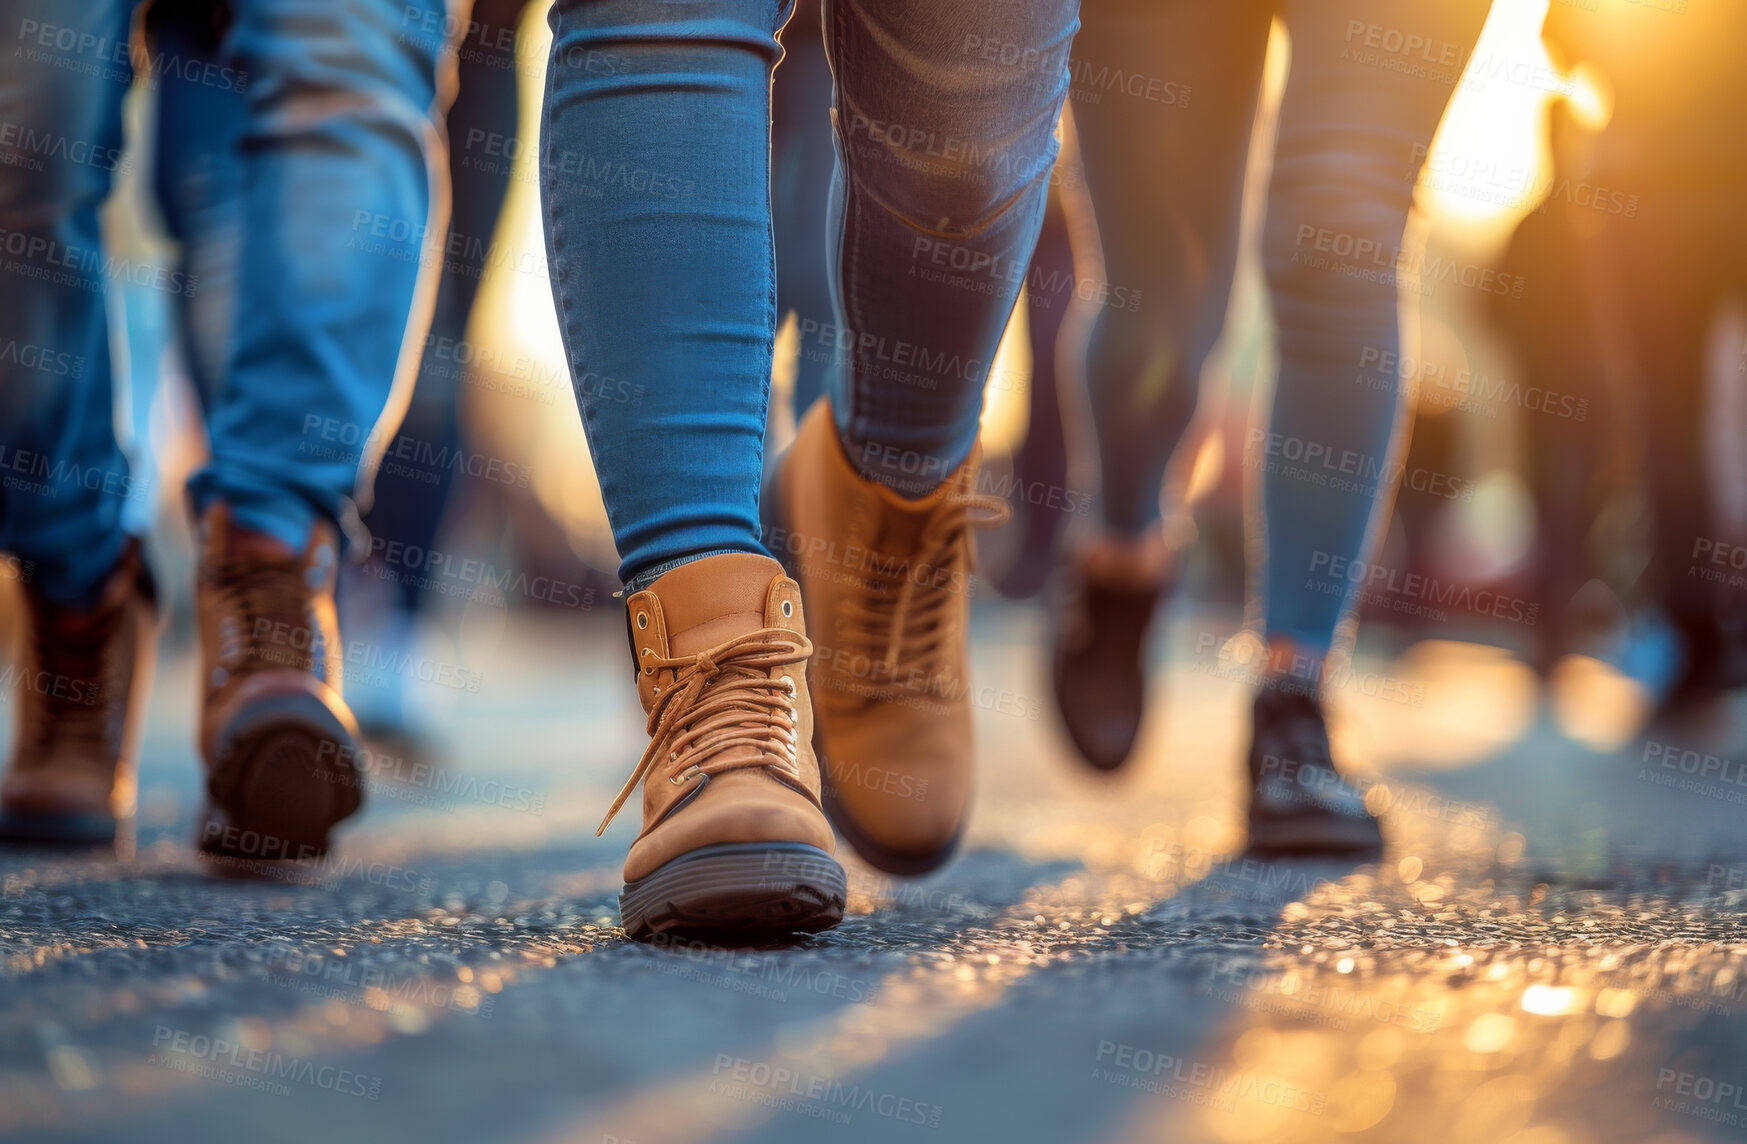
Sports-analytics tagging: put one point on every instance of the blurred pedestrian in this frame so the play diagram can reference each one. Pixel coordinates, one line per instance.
(1165, 95)
(294, 148)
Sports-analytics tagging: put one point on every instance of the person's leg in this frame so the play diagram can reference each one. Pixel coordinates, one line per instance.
(61, 85)
(1672, 268)
(945, 117)
(655, 156)
(343, 128)
(945, 121)
(200, 113)
(88, 604)
(658, 229)
(1353, 133)
(802, 159)
(406, 508)
(1166, 176)
(380, 601)
(1164, 160)
(336, 158)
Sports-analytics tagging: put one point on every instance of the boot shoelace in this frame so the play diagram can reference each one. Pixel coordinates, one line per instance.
(723, 698)
(70, 647)
(905, 619)
(269, 601)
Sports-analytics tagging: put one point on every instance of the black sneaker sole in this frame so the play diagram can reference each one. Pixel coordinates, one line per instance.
(1310, 834)
(281, 778)
(71, 828)
(737, 893)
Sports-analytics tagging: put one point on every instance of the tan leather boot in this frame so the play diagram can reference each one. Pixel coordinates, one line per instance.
(887, 581)
(278, 741)
(735, 845)
(83, 675)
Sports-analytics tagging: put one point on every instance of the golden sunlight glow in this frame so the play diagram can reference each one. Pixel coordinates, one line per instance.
(1488, 164)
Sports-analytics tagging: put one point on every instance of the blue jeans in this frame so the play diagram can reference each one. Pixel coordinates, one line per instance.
(293, 164)
(1165, 157)
(657, 192)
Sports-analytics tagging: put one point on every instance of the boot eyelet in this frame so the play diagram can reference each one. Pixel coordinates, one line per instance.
(642, 620)
(788, 608)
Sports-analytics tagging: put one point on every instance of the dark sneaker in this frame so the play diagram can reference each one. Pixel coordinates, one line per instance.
(1299, 803)
(82, 684)
(1103, 619)
(280, 745)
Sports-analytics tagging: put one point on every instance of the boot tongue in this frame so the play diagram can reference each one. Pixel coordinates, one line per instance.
(902, 519)
(710, 601)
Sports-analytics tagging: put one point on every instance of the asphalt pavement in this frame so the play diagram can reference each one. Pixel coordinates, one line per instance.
(1550, 952)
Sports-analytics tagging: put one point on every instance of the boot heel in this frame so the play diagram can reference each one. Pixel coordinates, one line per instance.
(282, 777)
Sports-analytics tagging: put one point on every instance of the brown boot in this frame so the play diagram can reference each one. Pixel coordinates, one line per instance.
(887, 580)
(1104, 614)
(82, 683)
(278, 741)
(734, 845)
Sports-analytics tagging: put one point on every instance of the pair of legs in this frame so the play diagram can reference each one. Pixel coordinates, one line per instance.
(657, 200)
(292, 161)
(1167, 184)
(657, 191)
(1165, 151)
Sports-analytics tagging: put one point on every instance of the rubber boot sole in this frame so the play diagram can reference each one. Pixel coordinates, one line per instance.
(281, 777)
(68, 828)
(1314, 834)
(737, 893)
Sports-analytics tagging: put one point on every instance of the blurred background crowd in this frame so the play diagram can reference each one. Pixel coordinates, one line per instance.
(1572, 494)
